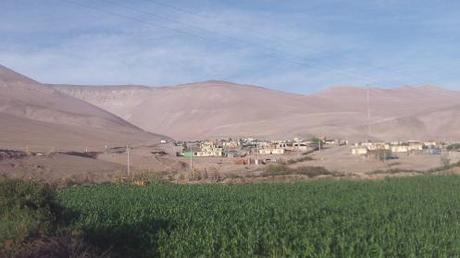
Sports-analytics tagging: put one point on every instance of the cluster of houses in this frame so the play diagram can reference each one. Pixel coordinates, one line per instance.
(397, 147)
(242, 147)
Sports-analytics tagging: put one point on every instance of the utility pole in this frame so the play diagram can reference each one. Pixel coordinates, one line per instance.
(191, 161)
(128, 161)
(368, 112)
(256, 161)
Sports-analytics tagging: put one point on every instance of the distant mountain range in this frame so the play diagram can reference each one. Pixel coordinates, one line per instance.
(34, 112)
(217, 108)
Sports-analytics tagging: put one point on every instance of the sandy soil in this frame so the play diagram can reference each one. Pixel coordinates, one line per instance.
(60, 167)
(216, 108)
(340, 159)
(40, 118)
(158, 162)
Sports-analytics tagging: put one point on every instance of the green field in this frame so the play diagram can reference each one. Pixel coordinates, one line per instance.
(416, 217)
(405, 217)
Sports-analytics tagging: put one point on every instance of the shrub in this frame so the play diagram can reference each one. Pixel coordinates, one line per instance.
(27, 209)
(302, 159)
(310, 171)
(454, 147)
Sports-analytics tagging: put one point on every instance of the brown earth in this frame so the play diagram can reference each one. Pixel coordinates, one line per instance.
(155, 163)
(34, 115)
(57, 168)
(216, 108)
(52, 120)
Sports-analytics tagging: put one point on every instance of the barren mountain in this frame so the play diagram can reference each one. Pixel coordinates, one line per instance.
(39, 116)
(216, 108)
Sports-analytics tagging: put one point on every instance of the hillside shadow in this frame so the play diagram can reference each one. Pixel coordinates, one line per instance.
(133, 239)
(128, 240)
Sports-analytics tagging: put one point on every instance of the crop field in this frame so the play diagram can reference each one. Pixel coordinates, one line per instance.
(407, 217)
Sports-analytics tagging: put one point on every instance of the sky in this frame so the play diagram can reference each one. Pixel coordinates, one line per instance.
(291, 45)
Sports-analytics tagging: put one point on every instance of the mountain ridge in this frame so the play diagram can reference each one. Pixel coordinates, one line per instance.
(220, 108)
(320, 111)
(27, 103)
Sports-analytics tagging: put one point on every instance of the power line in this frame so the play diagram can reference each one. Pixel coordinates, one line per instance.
(276, 42)
(157, 16)
(230, 38)
(176, 8)
(200, 16)
(133, 18)
(271, 52)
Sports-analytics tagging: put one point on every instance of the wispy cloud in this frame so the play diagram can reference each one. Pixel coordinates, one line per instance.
(293, 46)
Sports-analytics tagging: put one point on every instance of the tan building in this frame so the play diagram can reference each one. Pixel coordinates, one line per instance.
(399, 148)
(359, 151)
(299, 146)
(231, 144)
(268, 151)
(378, 146)
(415, 146)
(430, 144)
(209, 149)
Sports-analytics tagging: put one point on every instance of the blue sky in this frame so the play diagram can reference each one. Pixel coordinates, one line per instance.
(296, 46)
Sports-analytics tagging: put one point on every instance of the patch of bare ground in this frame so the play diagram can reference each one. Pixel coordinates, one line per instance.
(446, 169)
(153, 163)
(278, 173)
(60, 168)
(284, 173)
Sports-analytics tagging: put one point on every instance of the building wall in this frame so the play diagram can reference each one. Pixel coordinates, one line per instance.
(359, 151)
(399, 149)
(269, 151)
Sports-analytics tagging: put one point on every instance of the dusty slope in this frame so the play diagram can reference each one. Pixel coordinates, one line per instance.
(422, 113)
(217, 108)
(211, 108)
(58, 168)
(36, 115)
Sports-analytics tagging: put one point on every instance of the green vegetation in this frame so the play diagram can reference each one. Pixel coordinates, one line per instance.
(454, 147)
(33, 224)
(415, 217)
(402, 217)
(27, 209)
(309, 171)
(301, 159)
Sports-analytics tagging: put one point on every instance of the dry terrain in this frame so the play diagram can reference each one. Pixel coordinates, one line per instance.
(216, 108)
(42, 118)
(79, 133)
(158, 163)
(60, 168)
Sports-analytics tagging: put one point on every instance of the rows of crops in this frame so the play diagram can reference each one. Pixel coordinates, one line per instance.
(416, 217)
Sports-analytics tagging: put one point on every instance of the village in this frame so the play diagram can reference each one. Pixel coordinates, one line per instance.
(260, 151)
(256, 149)
(398, 147)
(243, 157)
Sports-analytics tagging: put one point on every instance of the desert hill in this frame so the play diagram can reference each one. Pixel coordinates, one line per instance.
(37, 115)
(217, 108)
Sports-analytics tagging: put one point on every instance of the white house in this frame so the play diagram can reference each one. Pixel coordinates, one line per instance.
(359, 151)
